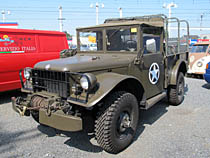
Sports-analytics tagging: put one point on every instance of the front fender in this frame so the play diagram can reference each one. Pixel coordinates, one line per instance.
(107, 82)
(180, 66)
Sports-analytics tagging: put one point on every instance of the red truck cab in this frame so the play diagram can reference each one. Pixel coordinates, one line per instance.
(20, 48)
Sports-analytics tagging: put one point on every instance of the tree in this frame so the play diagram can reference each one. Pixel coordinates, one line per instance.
(68, 36)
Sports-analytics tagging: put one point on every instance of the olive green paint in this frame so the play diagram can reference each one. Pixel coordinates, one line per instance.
(111, 68)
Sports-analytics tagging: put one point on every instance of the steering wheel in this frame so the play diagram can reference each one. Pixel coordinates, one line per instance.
(130, 45)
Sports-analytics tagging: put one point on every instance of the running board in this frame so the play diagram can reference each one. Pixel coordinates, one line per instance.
(152, 101)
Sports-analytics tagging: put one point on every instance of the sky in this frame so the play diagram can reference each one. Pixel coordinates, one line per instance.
(43, 14)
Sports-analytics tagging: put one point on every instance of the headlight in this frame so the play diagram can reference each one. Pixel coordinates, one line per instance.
(199, 64)
(84, 82)
(88, 81)
(27, 73)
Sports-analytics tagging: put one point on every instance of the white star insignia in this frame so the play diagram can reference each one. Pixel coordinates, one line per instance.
(154, 73)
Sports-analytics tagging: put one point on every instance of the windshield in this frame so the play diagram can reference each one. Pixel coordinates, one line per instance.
(91, 41)
(199, 48)
(122, 39)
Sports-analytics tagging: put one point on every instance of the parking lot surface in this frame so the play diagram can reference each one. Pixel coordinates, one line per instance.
(164, 131)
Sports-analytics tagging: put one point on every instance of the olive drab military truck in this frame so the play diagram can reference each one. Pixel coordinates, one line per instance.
(101, 90)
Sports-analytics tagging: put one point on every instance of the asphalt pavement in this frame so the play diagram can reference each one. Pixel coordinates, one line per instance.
(164, 131)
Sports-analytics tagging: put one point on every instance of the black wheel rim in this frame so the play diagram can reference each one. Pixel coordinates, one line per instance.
(123, 124)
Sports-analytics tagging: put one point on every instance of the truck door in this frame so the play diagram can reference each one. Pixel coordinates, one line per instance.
(152, 64)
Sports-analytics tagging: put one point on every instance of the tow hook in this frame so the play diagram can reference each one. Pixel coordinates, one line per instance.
(17, 108)
(22, 113)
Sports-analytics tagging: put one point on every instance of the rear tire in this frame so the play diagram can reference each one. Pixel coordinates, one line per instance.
(117, 122)
(176, 93)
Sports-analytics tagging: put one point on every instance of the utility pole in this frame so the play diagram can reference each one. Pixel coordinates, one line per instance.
(3, 12)
(169, 6)
(201, 22)
(61, 19)
(97, 11)
(120, 10)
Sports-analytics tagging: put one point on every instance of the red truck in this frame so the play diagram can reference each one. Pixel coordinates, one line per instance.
(20, 48)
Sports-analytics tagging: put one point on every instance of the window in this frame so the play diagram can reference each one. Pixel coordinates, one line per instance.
(199, 48)
(91, 41)
(146, 38)
(151, 34)
(122, 39)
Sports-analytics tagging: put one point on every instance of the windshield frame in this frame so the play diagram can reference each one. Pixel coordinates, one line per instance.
(104, 30)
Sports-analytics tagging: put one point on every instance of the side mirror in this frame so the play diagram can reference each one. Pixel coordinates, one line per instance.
(151, 45)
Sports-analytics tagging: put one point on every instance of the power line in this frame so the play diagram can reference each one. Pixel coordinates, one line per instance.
(126, 8)
(107, 12)
(72, 19)
(85, 4)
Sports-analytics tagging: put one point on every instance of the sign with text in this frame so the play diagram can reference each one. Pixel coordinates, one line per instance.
(14, 43)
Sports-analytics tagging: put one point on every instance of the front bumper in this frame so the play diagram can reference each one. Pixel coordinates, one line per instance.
(195, 72)
(60, 121)
(57, 119)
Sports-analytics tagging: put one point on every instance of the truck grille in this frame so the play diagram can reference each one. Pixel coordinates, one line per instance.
(51, 81)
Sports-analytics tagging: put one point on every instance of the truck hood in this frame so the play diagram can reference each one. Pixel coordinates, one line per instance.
(87, 62)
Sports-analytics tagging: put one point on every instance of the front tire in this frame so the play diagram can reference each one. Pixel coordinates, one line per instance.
(176, 93)
(35, 116)
(117, 122)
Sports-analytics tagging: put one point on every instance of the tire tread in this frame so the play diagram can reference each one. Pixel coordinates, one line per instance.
(104, 118)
